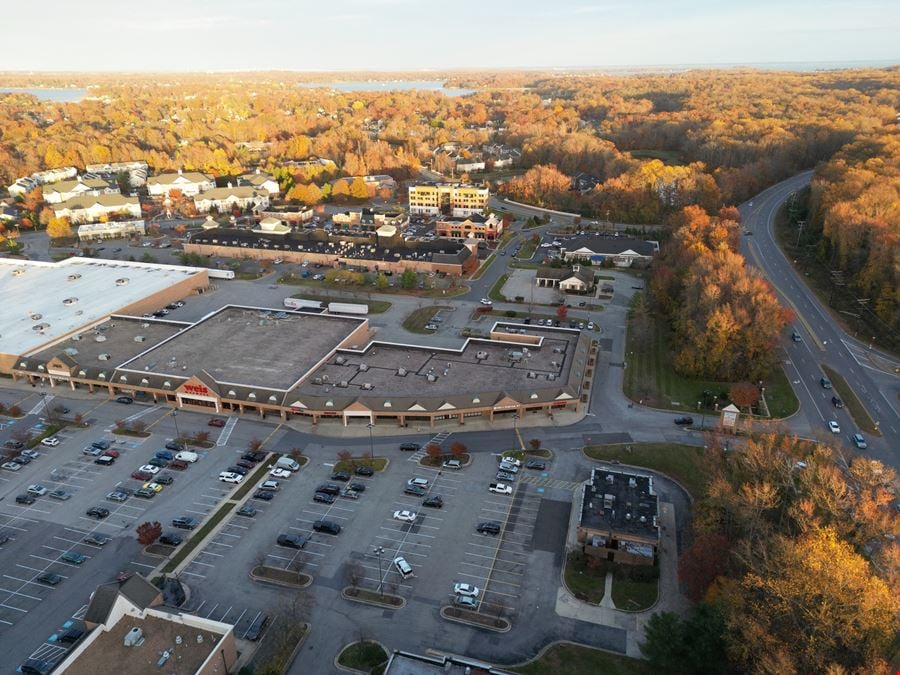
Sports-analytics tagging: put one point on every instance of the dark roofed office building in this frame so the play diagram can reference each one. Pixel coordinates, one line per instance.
(618, 519)
(597, 248)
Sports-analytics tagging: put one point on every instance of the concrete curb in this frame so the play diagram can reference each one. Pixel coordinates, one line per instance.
(284, 584)
(347, 669)
(373, 603)
(547, 647)
(475, 624)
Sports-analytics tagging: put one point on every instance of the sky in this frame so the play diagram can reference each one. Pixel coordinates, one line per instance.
(224, 35)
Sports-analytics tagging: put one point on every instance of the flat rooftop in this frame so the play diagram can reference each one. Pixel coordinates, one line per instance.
(249, 346)
(108, 655)
(621, 502)
(122, 338)
(46, 301)
(403, 663)
(480, 366)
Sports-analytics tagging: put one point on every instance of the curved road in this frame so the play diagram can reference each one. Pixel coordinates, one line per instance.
(867, 371)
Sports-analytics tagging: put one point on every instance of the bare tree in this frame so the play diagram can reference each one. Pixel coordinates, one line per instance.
(254, 445)
(535, 444)
(353, 572)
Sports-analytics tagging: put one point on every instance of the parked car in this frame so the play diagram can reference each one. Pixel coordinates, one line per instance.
(364, 471)
(486, 302)
(415, 490)
(37, 490)
(244, 464)
(164, 479)
(536, 464)
(349, 494)
(230, 477)
(36, 666)
(291, 540)
(156, 487)
(158, 462)
(73, 557)
(270, 485)
(410, 447)
(49, 578)
(500, 488)
(50, 442)
(174, 446)
(836, 402)
(329, 488)
(184, 522)
(264, 495)
(241, 471)
(116, 496)
(111, 453)
(141, 475)
(323, 497)
(145, 493)
(859, 441)
(825, 382)
(340, 475)
(246, 510)
(406, 516)
(435, 502)
(25, 499)
(171, 539)
(488, 527)
(327, 526)
(280, 473)
(14, 445)
(452, 464)
(356, 486)
(178, 465)
(167, 455)
(216, 422)
(102, 444)
(70, 636)
(97, 512)
(10, 466)
(505, 475)
(465, 589)
(684, 421)
(21, 460)
(127, 400)
(59, 494)
(152, 469)
(97, 539)
(465, 602)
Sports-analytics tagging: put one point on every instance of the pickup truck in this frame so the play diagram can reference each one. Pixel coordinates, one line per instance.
(500, 488)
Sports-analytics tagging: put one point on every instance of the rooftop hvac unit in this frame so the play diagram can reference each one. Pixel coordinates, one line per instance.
(134, 638)
(610, 479)
(367, 386)
(100, 338)
(531, 375)
(632, 483)
(340, 360)
(343, 384)
(140, 338)
(431, 378)
(481, 356)
(551, 377)
(76, 338)
(363, 367)
(401, 372)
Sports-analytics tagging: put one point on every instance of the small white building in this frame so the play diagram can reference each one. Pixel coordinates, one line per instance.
(55, 175)
(112, 229)
(226, 198)
(64, 190)
(90, 209)
(188, 183)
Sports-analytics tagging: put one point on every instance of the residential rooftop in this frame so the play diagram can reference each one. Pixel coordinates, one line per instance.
(620, 502)
(51, 300)
(405, 663)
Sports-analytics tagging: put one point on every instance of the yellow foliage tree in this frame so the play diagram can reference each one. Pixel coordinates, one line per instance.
(59, 228)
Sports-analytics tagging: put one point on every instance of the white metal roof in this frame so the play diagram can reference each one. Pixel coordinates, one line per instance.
(44, 301)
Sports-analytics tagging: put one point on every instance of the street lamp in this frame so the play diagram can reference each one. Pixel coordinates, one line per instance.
(371, 426)
(378, 551)
(516, 427)
(702, 415)
(175, 420)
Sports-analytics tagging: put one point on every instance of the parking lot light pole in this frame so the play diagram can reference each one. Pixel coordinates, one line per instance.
(175, 420)
(371, 426)
(378, 551)
(516, 427)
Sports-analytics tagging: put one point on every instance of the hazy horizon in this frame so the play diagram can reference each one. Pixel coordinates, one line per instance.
(388, 35)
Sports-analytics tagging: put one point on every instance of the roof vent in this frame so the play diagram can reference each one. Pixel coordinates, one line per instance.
(551, 377)
(401, 372)
(340, 360)
(317, 380)
(367, 386)
(103, 357)
(431, 378)
(343, 384)
(74, 277)
(232, 393)
(102, 376)
(70, 301)
(134, 638)
(273, 398)
(363, 367)
(387, 404)
(36, 317)
(531, 375)
(122, 281)
(123, 378)
(100, 338)
(140, 338)
(252, 396)
(481, 356)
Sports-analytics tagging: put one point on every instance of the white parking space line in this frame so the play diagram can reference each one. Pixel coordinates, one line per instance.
(233, 536)
(30, 597)
(197, 562)
(494, 592)
(218, 543)
(201, 513)
(7, 526)
(12, 517)
(215, 555)
(191, 574)
(409, 532)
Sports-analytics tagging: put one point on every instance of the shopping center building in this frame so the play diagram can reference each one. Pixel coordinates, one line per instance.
(328, 368)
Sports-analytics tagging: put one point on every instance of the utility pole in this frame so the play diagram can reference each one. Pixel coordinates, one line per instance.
(800, 224)
(378, 551)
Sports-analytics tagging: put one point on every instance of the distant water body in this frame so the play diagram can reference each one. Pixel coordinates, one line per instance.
(399, 85)
(59, 94)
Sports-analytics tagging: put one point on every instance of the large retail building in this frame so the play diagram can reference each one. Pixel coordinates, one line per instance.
(251, 360)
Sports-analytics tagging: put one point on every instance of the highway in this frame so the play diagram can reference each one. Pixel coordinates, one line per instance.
(869, 372)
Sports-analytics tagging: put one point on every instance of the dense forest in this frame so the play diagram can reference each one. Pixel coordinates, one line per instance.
(651, 143)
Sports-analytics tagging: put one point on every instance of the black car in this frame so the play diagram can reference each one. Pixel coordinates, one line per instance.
(184, 522)
(49, 578)
(536, 464)
(102, 444)
(71, 636)
(170, 539)
(415, 490)
(36, 667)
(342, 476)
(238, 470)
(365, 471)
(264, 495)
(323, 497)
(435, 502)
(97, 512)
(174, 446)
(25, 499)
(244, 464)
(327, 526)
(329, 488)
(22, 460)
(291, 540)
(410, 447)
(158, 461)
(125, 399)
(836, 402)
(246, 510)
(254, 456)
(684, 421)
(357, 487)
(256, 628)
(488, 527)
(164, 479)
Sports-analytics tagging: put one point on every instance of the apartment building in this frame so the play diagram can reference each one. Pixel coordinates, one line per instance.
(226, 198)
(455, 199)
(91, 209)
(56, 193)
(189, 183)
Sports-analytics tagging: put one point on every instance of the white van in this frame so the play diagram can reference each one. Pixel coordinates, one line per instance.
(403, 567)
(187, 456)
(287, 463)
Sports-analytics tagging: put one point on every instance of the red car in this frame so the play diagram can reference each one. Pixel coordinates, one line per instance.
(142, 475)
(178, 465)
(111, 453)
(216, 422)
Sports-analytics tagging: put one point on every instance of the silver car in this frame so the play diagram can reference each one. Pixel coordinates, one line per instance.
(117, 496)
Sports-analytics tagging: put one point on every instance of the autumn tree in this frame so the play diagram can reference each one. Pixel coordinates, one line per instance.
(359, 189)
(59, 228)
(434, 450)
(562, 312)
(744, 394)
(408, 279)
(458, 449)
(540, 185)
(705, 561)
(148, 532)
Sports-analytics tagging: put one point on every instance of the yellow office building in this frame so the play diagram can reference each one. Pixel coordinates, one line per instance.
(455, 199)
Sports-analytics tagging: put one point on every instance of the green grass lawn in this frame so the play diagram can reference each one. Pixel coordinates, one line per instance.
(378, 464)
(633, 596)
(495, 294)
(566, 659)
(651, 379)
(363, 656)
(419, 318)
(860, 415)
(375, 306)
(672, 157)
(686, 463)
(585, 583)
(526, 250)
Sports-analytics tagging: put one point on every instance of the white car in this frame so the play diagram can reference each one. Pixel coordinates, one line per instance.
(229, 477)
(405, 516)
(149, 468)
(500, 488)
(280, 473)
(37, 489)
(834, 426)
(466, 589)
(511, 460)
(486, 302)
(51, 442)
(10, 466)
(270, 485)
